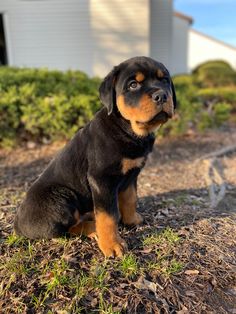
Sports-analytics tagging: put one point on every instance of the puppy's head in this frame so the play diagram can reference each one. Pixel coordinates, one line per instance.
(142, 90)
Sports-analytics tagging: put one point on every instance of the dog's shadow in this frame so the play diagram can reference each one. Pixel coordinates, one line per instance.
(178, 209)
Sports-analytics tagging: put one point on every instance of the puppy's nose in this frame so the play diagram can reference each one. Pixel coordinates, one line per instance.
(159, 97)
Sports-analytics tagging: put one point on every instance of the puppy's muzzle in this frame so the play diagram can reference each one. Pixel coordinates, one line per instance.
(159, 97)
(162, 101)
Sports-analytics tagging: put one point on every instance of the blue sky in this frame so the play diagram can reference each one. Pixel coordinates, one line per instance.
(216, 18)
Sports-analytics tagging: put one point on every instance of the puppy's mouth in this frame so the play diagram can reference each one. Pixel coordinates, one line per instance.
(160, 117)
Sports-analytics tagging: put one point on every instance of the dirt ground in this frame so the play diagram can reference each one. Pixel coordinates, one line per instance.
(183, 257)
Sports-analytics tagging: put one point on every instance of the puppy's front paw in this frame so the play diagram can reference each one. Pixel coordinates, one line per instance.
(135, 219)
(116, 247)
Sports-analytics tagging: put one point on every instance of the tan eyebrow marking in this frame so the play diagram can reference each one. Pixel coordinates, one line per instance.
(139, 77)
(160, 74)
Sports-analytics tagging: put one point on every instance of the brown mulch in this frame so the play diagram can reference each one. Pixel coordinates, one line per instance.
(172, 193)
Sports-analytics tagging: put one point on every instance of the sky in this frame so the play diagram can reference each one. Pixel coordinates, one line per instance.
(216, 18)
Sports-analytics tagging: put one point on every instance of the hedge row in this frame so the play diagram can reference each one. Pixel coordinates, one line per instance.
(215, 73)
(42, 104)
(46, 105)
(206, 98)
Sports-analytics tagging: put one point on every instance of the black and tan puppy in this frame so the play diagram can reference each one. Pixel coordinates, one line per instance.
(92, 183)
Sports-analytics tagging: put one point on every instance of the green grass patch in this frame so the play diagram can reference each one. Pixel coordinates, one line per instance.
(15, 240)
(52, 275)
(20, 263)
(128, 266)
(163, 245)
(99, 274)
(167, 236)
(165, 266)
(105, 307)
(56, 275)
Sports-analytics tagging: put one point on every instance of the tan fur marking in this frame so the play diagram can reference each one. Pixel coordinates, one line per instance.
(109, 241)
(76, 215)
(128, 164)
(145, 110)
(139, 77)
(86, 228)
(155, 126)
(168, 107)
(127, 205)
(160, 74)
(85, 225)
(139, 130)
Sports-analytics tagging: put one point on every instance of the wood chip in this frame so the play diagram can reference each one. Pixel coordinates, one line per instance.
(191, 272)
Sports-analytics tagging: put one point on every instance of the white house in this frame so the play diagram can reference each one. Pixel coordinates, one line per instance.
(191, 48)
(90, 35)
(94, 35)
(203, 47)
(180, 43)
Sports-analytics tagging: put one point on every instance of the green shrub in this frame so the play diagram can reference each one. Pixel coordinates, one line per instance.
(193, 114)
(48, 82)
(9, 115)
(202, 108)
(220, 94)
(38, 103)
(214, 118)
(186, 114)
(215, 73)
(57, 116)
(183, 82)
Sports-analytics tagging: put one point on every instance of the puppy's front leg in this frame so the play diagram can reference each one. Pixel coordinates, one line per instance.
(127, 206)
(104, 193)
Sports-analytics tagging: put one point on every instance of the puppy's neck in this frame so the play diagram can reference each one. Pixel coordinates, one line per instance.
(125, 126)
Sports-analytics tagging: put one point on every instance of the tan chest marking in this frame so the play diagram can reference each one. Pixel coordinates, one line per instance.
(128, 164)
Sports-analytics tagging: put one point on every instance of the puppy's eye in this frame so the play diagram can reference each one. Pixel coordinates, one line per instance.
(134, 85)
(165, 80)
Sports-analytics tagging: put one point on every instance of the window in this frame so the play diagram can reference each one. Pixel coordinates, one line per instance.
(3, 50)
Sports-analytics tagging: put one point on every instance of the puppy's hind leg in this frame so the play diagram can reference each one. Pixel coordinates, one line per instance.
(85, 225)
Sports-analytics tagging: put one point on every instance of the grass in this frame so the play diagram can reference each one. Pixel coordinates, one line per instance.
(81, 284)
(167, 236)
(58, 275)
(44, 263)
(49, 266)
(163, 244)
(99, 274)
(105, 307)
(15, 240)
(17, 264)
(129, 266)
(165, 266)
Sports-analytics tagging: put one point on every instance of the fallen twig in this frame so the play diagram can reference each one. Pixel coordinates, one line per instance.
(214, 174)
(221, 152)
(215, 182)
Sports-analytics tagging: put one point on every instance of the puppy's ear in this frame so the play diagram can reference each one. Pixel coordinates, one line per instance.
(107, 92)
(173, 94)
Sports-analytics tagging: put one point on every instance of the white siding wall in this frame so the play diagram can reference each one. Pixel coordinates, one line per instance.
(90, 35)
(48, 33)
(120, 31)
(161, 18)
(180, 45)
(203, 48)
